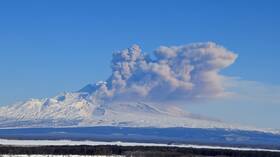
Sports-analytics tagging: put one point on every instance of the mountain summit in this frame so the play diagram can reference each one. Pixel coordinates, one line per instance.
(80, 109)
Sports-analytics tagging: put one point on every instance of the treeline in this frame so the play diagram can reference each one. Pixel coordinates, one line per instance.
(134, 151)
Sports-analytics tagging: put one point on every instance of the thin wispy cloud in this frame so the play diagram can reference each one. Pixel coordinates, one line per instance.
(252, 91)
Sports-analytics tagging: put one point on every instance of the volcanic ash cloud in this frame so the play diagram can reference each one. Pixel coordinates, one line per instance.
(176, 73)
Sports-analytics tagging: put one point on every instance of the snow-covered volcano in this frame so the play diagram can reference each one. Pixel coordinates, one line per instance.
(80, 109)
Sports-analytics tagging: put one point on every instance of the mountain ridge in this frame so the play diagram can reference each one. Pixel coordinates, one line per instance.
(80, 109)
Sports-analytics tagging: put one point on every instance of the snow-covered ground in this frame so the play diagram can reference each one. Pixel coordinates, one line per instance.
(61, 155)
(95, 143)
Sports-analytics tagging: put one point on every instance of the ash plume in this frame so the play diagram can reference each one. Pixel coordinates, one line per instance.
(176, 73)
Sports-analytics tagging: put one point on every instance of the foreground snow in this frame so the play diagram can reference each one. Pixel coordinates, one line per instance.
(62, 155)
(96, 143)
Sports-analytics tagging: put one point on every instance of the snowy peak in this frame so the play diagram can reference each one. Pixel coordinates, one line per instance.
(68, 106)
(81, 109)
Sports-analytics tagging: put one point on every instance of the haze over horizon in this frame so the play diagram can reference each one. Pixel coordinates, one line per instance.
(49, 47)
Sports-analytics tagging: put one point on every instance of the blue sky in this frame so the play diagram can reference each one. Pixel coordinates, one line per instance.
(47, 47)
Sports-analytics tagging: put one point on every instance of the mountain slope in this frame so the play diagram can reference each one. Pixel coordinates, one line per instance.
(79, 109)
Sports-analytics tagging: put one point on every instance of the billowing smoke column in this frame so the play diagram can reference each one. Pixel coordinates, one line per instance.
(178, 73)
